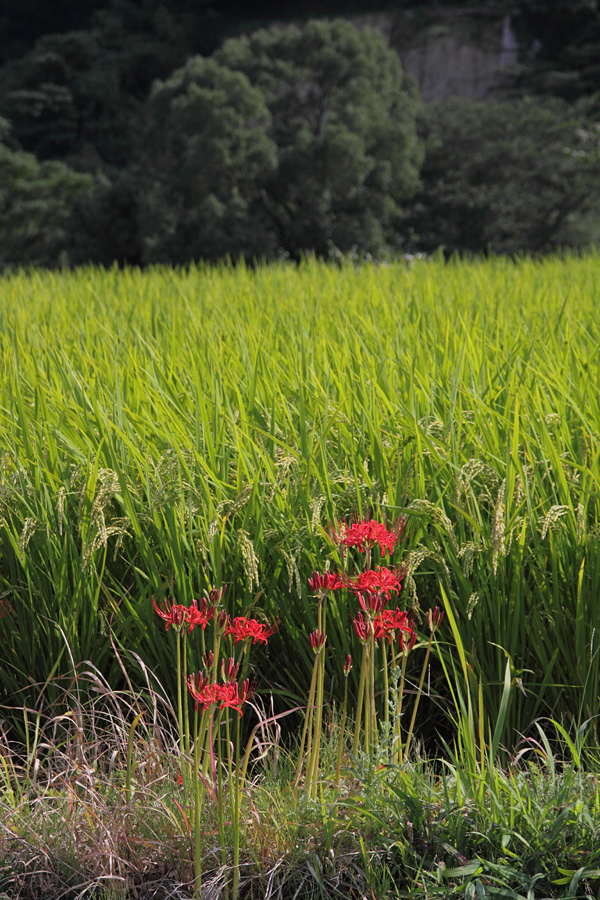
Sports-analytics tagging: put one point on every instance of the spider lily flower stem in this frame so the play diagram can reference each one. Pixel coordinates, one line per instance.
(367, 701)
(198, 792)
(338, 768)
(313, 770)
(307, 728)
(359, 702)
(235, 825)
(311, 732)
(386, 686)
(373, 710)
(180, 698)
(318, 717)
(221, 803)
(186, 710)
(235, 815)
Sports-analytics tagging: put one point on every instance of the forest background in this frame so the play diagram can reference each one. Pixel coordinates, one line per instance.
(143, 132)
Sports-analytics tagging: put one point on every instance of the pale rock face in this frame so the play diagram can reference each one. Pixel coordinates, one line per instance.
(458, 52)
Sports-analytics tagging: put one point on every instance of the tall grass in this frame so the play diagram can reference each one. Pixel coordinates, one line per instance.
(166, 430)
(87, 811)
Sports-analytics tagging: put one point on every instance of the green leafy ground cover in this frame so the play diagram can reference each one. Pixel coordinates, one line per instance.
(163, 431)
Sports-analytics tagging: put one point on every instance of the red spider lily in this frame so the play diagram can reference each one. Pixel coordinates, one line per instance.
(200, 616)
(382, 579)
(229, 673)
(328, 581)
(208, 659)
(231, 696)
(5, 607)
(347, 666)
(317, 640)
(389, 621)
(365, 534)
(434, 618)
(372, 601)
(244, 629)
(215, 595)
(222, 621)
(174, 614)
(408, 642)
(363, 628)
(207, 694)
(204, 692)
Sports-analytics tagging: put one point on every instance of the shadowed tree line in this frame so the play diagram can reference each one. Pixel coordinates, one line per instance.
(144, 134)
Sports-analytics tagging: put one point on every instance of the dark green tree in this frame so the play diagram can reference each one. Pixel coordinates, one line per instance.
(22, 22)
(343, 119)
(104, 224)
(565, 38)
(204, 154)
(508, 177)
(35, 205)
(75, 96)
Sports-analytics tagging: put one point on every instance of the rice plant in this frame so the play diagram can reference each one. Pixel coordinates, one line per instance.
(169, 430)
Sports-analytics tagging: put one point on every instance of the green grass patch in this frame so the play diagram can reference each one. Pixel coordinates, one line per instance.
(80, 816)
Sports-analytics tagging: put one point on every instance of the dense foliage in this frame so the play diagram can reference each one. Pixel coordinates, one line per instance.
(566, 38)
(205, 155)
(343, 120)
(333, 161)
(509, 177)
(36, 200)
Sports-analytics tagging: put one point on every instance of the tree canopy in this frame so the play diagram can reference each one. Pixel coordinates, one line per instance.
(35, 206)
(290, 140)
(204, 155)
(507, 177)
(343, 119)
(287, 139)
(564, 36)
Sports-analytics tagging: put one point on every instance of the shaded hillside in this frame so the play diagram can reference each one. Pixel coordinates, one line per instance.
(208, 22)
(79, 90)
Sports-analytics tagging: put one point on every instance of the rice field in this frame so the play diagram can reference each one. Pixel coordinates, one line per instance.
(168, 430)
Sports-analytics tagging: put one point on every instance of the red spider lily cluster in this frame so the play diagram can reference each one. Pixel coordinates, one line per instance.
(381, 579)
(373, 587)
(200, 617)
(385, 625)
(241, 628)
(208, 694)
(177, 615)
(201, 748)
(328, 581)
(391, 622)
(244, 629)
(382, 632)
(364, 535)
